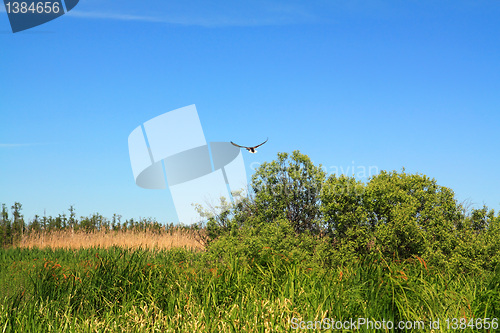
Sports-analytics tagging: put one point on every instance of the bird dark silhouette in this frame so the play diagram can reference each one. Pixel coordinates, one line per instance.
(250, 149)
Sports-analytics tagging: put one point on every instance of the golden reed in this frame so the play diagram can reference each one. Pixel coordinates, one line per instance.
(70, 239)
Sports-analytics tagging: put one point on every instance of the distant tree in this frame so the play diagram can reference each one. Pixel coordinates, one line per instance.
(51, 223)
(58, 222)
(5, 227)
(18, 220)
(72, 217)
(86, 224)
(94, 222)
(35, 225)
(45, 224)
(131, 224)
(116, 222)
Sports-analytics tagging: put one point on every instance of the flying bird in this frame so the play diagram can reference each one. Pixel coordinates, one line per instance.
(250, 149)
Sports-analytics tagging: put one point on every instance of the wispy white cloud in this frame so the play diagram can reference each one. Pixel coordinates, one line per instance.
(14, 145)
(114, 16)
(261, 16)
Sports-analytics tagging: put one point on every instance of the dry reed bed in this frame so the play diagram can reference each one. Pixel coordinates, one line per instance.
(69, 239)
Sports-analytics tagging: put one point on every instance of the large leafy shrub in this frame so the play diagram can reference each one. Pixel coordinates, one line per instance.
(296, 211)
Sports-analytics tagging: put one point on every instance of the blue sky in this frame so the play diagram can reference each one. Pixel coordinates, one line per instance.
(381, 84)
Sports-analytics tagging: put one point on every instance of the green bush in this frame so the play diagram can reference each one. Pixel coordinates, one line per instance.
(294, 210)
(264, 241)
(402, 215)
(289, 188)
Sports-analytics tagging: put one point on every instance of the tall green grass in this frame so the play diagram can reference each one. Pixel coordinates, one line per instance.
(120, 290)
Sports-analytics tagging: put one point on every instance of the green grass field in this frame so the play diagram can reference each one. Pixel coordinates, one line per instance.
(177, 290)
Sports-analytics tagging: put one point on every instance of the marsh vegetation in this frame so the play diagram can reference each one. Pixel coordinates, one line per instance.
(303, 246)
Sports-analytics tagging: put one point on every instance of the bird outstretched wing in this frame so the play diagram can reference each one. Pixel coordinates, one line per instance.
(261, 143)
(234, 144)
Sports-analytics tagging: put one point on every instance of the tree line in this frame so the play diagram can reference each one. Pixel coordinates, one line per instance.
(13, 226)
(295, 209)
